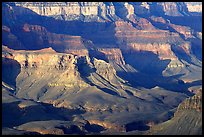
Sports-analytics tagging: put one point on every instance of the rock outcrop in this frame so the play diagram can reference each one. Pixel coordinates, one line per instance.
(186, 31)
(41, 58)
(192, 103)
(104, 69)
(187, 119)
(194, 6)
(108, 125)
(42, 63)
(101, 67)
(39, 38)
(113, 55)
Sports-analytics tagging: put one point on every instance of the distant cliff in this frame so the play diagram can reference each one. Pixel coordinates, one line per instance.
(108, 11)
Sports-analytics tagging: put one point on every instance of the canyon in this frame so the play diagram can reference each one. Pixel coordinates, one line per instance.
(101, 67)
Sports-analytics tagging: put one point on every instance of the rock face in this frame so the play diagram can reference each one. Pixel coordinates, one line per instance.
(113, 55)
(162, 50)
(39, 38)
(39, 64)
(71, 10)
(128, 35)
(104, 69)
(41, 58)
(101, 67)
(108, 125)
(194, 6)
(100, 11)
(182, 30)
(186, 120)
(174, 9)
(193, 103)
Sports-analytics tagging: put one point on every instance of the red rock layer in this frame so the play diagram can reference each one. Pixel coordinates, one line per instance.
(78, 52)
(113, 55)
(125, 32)
(182, 30)
(158, 19)
(157, 41)
(57, 41)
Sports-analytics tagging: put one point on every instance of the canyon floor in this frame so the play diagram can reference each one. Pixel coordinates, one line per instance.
(101, 68)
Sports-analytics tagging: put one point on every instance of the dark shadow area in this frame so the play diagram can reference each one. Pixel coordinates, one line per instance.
(10, 40)
(194, 83)
(182, 9)
(156, 9)
(150, 64)
(181, 54)
(84, 69)
(190, 21)
(94, 128)
(129, 93)
(140, 125)
(171, 83)
(160, 25)
(149, 73)
(120, 11)
(10, 70)
(11, 131)
(197, 48)
(94, 53)
(111, 92)
(72, 129)
(13, 115)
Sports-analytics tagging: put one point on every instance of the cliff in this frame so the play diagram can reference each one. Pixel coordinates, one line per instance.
(113, 67)
(105, 11)
(56, 70)
(194, 6)
(39, 38)
(113, 55)
(187, 119)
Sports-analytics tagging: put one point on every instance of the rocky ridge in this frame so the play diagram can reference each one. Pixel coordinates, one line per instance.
(106, 11)
(108, 61)
(189, 111)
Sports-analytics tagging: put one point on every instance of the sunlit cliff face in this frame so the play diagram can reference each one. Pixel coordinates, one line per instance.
(101, 68)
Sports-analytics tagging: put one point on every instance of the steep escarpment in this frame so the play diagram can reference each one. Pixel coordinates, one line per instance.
(113, 55)
(127, 34)
(193, 103)
(194, 6)
(168, 49)
(39, 38)
(101, 67)
(101, 11)
(34, 65)
(71, 11)
(104, 69)
(187, 119)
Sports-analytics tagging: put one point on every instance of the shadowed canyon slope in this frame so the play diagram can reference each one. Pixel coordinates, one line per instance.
(188, 113)
(100, 67)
